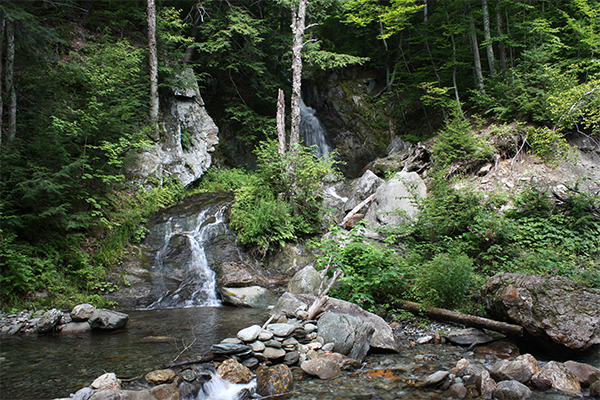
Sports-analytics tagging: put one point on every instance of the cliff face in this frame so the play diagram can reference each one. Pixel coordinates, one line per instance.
(187, 139)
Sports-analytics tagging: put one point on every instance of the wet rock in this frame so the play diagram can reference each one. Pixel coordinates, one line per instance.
(362, 188)
(82, 312)
(558, 376)
(472, 336)
(106, 394)
(49, 320)
(595, 389)
(230, 348)
(250, 333)
(188, 375)
(106, 381)
(291, 358)
(250, 362)
(485, 384)
(511, 390)
(76, 327)
(435, 379)
(271, 381)
(166, 391)
(160, 376)
(586, 373)
(351, 335)
(107, 319)
(321, 367)
(457, 391)
(233, 371)
(307, 280)
(499, 348)
(252, 296)
(506, 370)
(548, 307)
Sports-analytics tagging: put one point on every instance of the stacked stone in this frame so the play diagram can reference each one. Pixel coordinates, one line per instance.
(289, 343)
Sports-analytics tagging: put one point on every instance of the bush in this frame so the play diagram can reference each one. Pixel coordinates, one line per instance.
(444, 281)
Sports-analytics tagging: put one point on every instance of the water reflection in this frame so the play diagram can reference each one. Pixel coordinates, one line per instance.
(46, 367)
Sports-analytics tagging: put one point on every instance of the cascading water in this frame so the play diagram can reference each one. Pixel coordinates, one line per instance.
(182, 260)
(312, 131)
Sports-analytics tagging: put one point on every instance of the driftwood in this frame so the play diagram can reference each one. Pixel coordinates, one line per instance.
(465, 319)
(195, 360)
(319, 304)
(356, 209)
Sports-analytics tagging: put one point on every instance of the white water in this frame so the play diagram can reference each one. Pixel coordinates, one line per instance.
(198, 285)
(312, 131)
(218, 389)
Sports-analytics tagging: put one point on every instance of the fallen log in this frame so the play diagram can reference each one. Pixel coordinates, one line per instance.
(356, 210)
(195, 360)
(465, 319)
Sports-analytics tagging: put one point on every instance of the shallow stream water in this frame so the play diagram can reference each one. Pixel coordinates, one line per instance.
(47, 367)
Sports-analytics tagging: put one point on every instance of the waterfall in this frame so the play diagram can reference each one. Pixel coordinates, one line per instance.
(196, 284)
(219, 389)
(312, 131)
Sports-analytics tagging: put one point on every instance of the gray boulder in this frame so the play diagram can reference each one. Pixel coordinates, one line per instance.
(362, 188)
(250, 333)
(395, 198)
(49, 320)
(253, 296)
(107, 319)
(307, 280)
(351, 335)
(82, 312)
(506, 370)
(558, 376)
(586, 373)
(550, 308)
(383, 337)
(511, 390)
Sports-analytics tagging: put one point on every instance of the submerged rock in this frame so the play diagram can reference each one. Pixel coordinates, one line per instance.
(548, 307)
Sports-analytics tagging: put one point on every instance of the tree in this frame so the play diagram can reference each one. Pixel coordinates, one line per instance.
(298, 28)
(153, 64)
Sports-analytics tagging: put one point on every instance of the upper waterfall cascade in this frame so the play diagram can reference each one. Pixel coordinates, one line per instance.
(312, 130)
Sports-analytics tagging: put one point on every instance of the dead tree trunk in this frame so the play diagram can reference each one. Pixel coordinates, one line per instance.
(281, 122)
(488, 38)
(466, 319)
(9, 82)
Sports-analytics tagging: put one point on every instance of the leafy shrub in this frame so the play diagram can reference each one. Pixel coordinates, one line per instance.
(219, 180)
(444, 280)
(284, 199)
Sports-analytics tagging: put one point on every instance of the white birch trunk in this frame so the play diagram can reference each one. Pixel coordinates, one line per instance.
(488, 38)
(298, 26)
(476, 56)
(153, 65)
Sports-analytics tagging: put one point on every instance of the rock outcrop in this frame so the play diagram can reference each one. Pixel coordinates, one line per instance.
(550, 308)
(187, 137)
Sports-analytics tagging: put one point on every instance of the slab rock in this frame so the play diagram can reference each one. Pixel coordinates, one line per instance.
(107, 319)
(551, 308)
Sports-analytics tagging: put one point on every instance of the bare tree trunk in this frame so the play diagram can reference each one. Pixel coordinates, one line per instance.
(9, 82)
(2, 21)
(488, 38)
(476, 56)
(501, 46)
(298, 27)
(458, 106)
(153, 65)
(281, 121)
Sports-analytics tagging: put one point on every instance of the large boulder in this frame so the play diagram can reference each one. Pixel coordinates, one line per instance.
(49, 320)
(107, 319)
(383, 337)
(253, 296)
(548, 307)
(307, 280)
(82, 312)
(351, 335)
(395, 198)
